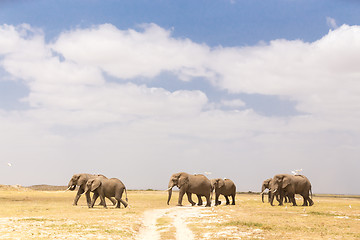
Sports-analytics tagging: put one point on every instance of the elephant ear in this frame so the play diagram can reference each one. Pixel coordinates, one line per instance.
(213, 183)
(267, 182)
(75, 178)
(182, 181)
(221, 183)
(81, 180)
(285, 182)
(96, 183)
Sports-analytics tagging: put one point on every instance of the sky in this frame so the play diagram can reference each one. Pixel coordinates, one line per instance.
(138, 90)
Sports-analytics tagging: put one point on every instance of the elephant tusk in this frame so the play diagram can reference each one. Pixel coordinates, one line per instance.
(262, 192)
(168, 189)
(67, 189)
(275, 191)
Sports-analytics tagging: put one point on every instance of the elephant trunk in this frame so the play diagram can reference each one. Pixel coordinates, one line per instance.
(71, 186)
(170, 186)
(272, 195)
(269, 196)
(262, 193)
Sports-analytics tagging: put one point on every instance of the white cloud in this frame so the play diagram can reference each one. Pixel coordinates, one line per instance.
(331, 23)
(75, 114)
(235, 103)
(316, 75)
(128, 54)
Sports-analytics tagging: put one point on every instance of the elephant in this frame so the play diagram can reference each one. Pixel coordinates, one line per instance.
(188, 183)
(104, 187)
(80, 180)
(225, 187)
(266, 185)
(286, 184)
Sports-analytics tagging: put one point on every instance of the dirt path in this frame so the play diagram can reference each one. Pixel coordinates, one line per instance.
(179, 216)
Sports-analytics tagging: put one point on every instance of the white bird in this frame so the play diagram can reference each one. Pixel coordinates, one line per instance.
(9, 164)
(296, 172)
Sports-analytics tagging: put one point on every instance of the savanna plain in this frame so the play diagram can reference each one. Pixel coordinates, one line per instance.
(30, 213)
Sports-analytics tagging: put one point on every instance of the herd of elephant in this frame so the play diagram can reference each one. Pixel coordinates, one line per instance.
(280, 186)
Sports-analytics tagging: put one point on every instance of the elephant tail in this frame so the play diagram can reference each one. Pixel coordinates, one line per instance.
(311, 192)
(126, 198)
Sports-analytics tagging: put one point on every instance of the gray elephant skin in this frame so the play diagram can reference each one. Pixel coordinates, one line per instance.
(103, 187)
(266, 185)
(286, 184)
(224, 187)
(80, 180)
(189, 184)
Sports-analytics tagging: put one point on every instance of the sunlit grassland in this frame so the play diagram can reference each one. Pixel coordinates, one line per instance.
(329, 218)
(28, 214)
(44, 215)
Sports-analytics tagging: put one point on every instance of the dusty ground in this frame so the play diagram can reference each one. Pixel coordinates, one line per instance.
(30, 214)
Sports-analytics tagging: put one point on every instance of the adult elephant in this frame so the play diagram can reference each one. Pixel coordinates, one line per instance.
(188, 183)
(80, 180)
(104, 187)
(224, 187)
(286, 184)
(266, 185)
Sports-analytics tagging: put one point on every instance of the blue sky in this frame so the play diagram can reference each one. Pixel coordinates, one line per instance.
(242, 89)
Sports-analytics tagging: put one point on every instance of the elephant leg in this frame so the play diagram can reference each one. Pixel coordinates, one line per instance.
(279, 198)
(311, 202)
(181, 195)
(208, 200)
(200, 202)
(189, 198)
(101, 203)
(103, 200)
(227, 200)
(308, 200)
(113, 200)
(217, 202)
(124, 203)
(233, 199)
(88, 198)
(78, 195)
(305, 201)
(119, 200)
(292, 198)
(95, 196)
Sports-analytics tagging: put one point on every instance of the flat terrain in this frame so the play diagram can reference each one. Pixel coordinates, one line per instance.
(33, 214)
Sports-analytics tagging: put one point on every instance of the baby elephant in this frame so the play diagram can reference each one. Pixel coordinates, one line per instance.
(225, 187)
(102, 187)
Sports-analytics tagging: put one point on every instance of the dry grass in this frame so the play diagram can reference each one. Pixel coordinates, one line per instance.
(29, 214)
(329, 218)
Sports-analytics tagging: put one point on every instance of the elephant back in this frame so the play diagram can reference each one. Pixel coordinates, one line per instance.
(200, 181)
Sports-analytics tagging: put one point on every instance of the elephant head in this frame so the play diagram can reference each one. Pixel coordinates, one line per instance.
(264, 186)
(92, 185)
(75, 180)
(177, 179)
(278, 185)
(217, 183)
